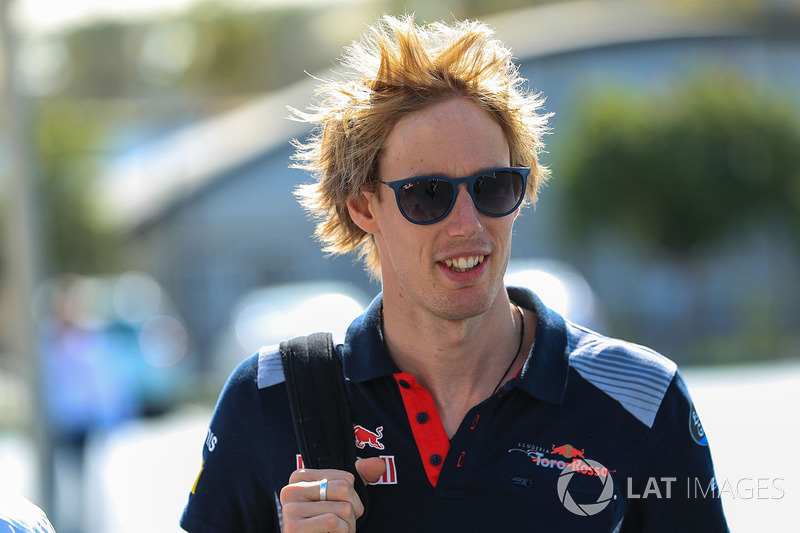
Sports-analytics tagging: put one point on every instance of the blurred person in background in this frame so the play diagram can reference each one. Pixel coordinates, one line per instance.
(476, 408)
(19, 515)
(86, 388)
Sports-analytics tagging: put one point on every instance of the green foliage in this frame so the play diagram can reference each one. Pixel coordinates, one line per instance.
(67, 137)
(252, 52)
(95, 56)
(685, 166)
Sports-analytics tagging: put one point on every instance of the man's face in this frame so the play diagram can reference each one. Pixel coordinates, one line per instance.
(454, 138)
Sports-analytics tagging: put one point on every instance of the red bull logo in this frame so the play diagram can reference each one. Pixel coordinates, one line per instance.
(388, 478)
(366, 437)
(567, 450)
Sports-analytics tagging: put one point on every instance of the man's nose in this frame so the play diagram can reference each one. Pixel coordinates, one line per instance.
(464, 219)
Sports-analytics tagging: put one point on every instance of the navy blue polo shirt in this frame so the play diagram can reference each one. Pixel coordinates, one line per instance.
(593, 434)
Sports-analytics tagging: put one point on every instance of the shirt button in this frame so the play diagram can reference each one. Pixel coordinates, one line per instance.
(436, 459)
(403, 383)
(422, 417)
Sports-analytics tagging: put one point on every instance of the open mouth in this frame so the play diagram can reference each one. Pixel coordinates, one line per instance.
(464, 264)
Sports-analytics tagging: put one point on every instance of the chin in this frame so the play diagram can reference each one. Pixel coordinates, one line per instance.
(466, 305)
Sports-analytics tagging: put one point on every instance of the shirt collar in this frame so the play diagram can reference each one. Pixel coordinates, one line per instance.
(364, 353)
(544, 374)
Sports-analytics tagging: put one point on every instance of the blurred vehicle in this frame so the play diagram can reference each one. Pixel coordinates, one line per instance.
(269, 315)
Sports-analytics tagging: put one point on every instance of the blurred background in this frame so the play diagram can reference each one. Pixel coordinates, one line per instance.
(150, 239)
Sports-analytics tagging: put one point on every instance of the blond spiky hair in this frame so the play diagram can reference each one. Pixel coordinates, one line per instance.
(397, 68)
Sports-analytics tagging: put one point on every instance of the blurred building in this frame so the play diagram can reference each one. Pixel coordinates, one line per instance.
(209, 212)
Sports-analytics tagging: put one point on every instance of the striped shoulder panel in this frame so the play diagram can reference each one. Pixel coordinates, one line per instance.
(270, 368)
(635, 376)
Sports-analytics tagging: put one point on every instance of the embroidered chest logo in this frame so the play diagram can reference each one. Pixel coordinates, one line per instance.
(366, 437)
(542, 457)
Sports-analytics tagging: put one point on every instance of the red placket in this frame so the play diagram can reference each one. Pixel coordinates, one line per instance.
(426, 425)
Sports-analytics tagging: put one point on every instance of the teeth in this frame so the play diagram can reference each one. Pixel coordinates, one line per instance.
(462, 264)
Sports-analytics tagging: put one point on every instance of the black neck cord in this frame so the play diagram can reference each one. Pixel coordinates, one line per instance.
(519, 348)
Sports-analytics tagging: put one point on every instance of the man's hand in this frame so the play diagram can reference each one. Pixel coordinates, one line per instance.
(304, 512)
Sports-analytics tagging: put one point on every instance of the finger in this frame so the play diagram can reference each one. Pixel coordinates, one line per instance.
(309, 491)
(371, 469)
(338, 490)
(309, 474)
(331, 523)
(318, 516)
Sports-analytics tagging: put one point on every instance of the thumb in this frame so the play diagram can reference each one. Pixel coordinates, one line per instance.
(370, 469)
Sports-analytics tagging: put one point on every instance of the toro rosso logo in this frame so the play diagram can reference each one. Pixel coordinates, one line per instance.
(366, 437)
(573, 460)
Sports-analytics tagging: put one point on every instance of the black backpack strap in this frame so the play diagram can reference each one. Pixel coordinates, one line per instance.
(320, 407)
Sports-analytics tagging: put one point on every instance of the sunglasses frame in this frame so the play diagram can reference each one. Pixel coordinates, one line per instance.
(397, 186)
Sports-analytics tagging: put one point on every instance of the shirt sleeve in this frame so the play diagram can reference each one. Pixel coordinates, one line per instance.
(231, 493)
(674, 487)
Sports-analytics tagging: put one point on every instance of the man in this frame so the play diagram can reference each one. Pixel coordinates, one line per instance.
(476, 408)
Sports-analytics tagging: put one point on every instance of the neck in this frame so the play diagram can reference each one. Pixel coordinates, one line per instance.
(458, 361)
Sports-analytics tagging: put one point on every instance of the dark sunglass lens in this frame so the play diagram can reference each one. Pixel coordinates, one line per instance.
(498, 192)
(425, 200)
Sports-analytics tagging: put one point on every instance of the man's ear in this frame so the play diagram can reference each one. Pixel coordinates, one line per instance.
(360, 209)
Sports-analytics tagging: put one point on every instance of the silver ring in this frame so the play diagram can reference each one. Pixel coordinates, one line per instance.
(323, 490)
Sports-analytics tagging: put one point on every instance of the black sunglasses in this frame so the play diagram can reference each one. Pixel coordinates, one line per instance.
(428, 199)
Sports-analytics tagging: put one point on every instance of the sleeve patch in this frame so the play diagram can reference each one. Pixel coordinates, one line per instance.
(635, 376)
(696, 428)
